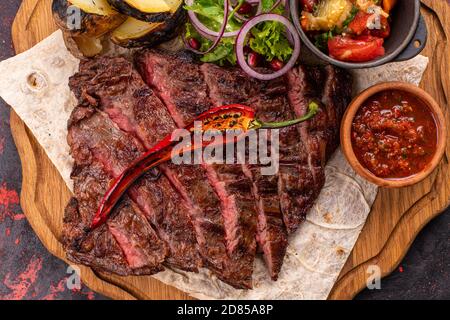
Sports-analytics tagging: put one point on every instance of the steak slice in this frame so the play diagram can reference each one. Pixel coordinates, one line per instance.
(178, 81)
(321, 134)
(173, 77)
(228, 86)
(206, 215)
(165, 208)
(96, 143)
(336, 97)
(115, 87)
(100, 248)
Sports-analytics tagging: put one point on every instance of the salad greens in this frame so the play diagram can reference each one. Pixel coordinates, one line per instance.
(267, 39)
(223, 54)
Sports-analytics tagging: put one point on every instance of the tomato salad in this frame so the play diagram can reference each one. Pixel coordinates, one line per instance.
(348, 30)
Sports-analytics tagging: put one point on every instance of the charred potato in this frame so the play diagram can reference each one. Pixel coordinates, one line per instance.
(83, 47)
(148, 10)
(136, 33)
(96, 17)
(84, 38)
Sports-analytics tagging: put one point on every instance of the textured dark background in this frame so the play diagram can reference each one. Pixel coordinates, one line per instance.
(28, 271)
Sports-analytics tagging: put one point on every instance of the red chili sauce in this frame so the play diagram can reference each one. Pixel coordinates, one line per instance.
(394, 134)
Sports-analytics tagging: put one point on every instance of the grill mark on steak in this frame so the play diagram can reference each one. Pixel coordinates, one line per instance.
(165, 73)
(136, 110)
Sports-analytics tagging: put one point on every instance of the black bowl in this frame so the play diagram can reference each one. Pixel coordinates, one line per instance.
(408, 36)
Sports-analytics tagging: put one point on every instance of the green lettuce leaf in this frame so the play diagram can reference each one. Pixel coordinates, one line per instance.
(222, 55)
(268, 38)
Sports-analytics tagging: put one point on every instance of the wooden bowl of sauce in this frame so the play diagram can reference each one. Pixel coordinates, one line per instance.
(394, 134)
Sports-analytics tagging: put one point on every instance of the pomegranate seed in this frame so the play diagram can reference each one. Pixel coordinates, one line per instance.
(276, 64)
(246, 8)
(194, 43)
(253, 59)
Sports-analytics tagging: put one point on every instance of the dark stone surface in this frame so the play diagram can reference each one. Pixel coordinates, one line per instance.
(28, 271)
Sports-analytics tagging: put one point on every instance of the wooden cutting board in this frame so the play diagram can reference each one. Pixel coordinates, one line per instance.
(396, 218)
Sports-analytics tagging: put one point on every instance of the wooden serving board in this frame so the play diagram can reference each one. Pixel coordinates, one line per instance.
(396, 218)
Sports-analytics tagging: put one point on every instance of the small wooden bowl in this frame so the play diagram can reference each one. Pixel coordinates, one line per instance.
(346, 129)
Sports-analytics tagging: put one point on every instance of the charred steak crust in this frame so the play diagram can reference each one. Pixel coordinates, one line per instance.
(177, 219)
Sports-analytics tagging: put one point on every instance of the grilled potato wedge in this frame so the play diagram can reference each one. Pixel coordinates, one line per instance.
(83, 47)
(148, 10)
(136, 33)
(96, 18)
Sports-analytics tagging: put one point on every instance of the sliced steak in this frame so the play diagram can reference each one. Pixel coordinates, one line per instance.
(116, 88)
(228, 86)
(101, 249)
(94, 140)
(173, 77)
(178, 81)
(193, 216)
(321, 134)
(113, 85)
(166, 209)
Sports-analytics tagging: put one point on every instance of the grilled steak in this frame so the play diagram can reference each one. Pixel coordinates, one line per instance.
(232, 189)
(115, 149)
(128, 238)
(192, 216)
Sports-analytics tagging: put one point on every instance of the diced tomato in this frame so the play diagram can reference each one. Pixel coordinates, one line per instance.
(385, 30)
(359, 23)
(358, 26)
(308, 5)
(359, 49)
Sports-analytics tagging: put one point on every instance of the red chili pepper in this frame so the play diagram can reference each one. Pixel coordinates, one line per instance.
(235, 117)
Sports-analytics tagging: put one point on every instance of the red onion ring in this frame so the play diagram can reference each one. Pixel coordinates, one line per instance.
(220, 34)
(240, 43)
(204, 30)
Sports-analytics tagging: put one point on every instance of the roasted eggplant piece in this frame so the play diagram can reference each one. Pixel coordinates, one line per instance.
(148, 10)
(136, 33)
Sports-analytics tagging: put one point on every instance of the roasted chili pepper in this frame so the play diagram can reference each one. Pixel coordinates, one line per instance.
(231, 117)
